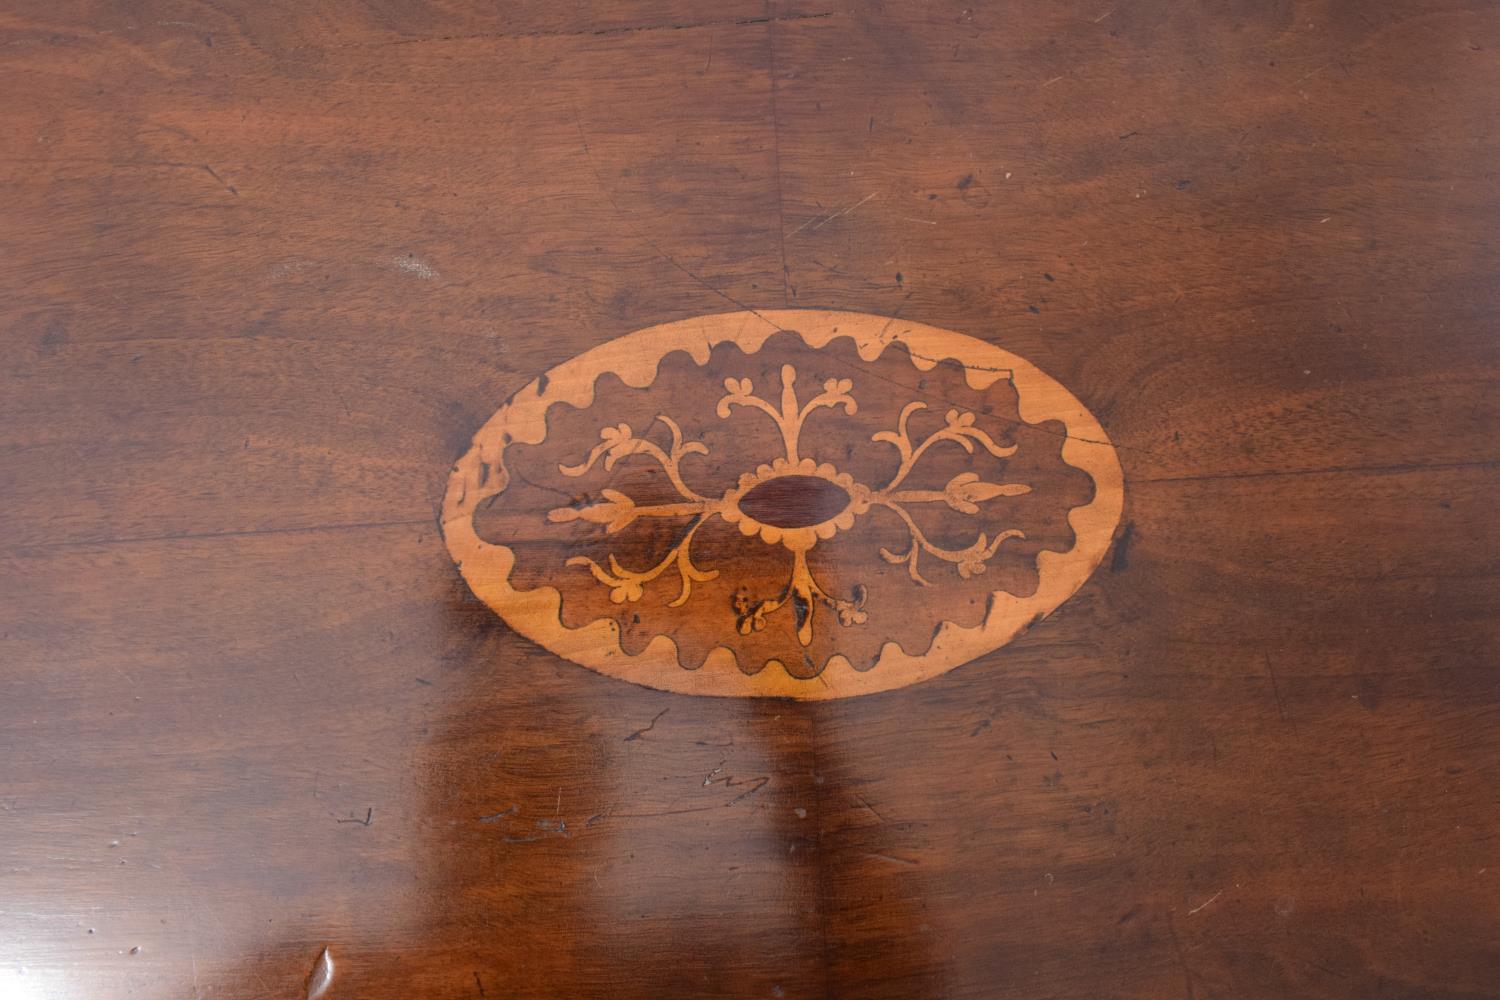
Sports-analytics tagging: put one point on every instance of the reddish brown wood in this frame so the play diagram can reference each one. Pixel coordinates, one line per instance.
(265, 269)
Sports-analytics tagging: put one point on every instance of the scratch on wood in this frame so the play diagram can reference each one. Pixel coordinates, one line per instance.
(788, 291)
(824, 220)
(731, 783)
(1307, 76)
(227, 186)
(213, 535)
(1187, 976)
(652, 725)
(873, 811)
(890, 857)
(606, 32)
(728, 781)
(496, 817)
(1205, 903)
(1276, 690)
(1332, 470)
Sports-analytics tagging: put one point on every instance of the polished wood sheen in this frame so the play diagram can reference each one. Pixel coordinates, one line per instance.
(269, 271)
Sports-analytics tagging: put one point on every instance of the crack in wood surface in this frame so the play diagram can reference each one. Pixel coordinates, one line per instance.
(603, 32)
(197, 536)
(643, 237)
(788, 290)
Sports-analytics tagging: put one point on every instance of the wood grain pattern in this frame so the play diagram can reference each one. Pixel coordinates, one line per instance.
(265, 269)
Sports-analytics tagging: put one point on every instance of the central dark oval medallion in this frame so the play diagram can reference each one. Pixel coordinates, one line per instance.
(795, 501)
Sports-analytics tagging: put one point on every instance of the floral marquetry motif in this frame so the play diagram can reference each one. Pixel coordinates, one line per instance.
(790, 503)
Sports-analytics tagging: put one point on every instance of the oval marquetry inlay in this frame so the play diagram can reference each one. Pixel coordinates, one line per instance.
(783, 503)
(795, 501)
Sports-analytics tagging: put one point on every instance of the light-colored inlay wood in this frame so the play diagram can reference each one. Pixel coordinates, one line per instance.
(785, 503)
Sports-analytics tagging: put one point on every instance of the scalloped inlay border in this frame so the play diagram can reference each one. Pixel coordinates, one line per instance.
(789, 401)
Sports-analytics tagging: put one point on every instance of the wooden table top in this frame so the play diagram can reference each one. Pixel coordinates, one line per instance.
(278, 718)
